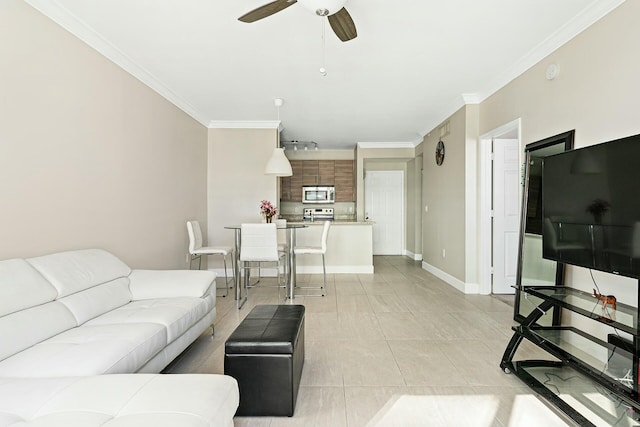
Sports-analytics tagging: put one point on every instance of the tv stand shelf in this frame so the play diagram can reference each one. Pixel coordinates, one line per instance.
(625, 318)
(587, 365)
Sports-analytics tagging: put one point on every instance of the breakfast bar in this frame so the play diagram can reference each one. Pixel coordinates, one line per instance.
(349, 247)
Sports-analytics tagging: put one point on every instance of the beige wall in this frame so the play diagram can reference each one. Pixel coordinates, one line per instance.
(89, 156)
(443, 192)
(596, 94)
(237, 183)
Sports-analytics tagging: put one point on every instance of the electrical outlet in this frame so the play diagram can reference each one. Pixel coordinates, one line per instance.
(444, 254)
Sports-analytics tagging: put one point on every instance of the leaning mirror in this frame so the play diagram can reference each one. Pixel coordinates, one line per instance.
(533, 270)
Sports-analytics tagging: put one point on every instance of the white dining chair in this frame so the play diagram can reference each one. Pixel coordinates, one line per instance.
(317, 250)
(196, 250)
(259, 244)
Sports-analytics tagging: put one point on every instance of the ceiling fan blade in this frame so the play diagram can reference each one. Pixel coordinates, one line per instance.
(343, 25)
(266, 10)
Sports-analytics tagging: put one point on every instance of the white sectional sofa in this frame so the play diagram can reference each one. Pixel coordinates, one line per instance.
(69, 317)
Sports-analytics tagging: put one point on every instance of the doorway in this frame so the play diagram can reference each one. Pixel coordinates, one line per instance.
(500, 198)
(384, 204)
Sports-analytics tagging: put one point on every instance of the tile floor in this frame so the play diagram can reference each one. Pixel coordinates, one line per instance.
(375, 338)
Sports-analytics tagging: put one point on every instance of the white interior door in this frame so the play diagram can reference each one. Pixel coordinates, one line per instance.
(384, 204)
(506, 214)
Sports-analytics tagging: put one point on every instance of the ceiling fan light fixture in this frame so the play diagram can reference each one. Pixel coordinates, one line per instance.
(323, 7)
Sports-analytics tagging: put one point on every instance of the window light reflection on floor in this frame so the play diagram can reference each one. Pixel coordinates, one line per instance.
(468, 410)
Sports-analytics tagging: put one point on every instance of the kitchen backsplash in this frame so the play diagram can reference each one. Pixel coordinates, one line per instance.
(341, 210)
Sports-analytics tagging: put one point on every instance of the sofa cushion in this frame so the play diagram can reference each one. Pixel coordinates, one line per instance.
(177, 314)
(120, 401)
(148, 284)
(89, 350)
(25, 328)
(74, 271)
(98, 300)
(21, 286)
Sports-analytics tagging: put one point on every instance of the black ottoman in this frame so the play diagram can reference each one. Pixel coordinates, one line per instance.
(265, 354)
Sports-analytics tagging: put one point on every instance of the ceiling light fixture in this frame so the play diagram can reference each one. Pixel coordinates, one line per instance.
(295, 145)
(323, 7)
(278, 164)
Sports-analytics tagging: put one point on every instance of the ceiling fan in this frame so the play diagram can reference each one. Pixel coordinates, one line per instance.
(339, 19)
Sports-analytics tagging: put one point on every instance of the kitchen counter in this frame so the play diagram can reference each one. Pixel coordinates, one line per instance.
(333, 222)
(349, 247)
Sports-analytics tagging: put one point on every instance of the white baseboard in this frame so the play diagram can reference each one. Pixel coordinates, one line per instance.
(336, 269)
(310, 269)
(467, 288)
(415, 257)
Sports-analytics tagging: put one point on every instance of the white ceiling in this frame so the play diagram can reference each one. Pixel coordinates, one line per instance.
(412, 65)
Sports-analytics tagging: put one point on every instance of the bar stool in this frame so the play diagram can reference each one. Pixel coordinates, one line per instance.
(316, 250)
(196, 250)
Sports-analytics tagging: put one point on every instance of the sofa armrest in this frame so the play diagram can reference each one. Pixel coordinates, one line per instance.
(148, 284)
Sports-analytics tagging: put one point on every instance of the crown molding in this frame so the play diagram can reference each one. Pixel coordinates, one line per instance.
(246, 124)
(63, 17)
(590, 15)
(470, 98)
(406, 144)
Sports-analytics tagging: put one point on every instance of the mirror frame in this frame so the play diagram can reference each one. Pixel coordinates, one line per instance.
(565, 138)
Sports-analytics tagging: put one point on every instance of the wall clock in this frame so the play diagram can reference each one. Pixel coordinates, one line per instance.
(439, 153)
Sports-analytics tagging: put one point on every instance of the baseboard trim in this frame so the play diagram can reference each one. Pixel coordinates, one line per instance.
(415, 257)
(336, 269)
(302, 269)
(467, 288)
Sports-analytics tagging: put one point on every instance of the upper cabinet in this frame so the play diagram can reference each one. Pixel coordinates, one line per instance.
(339, 173)
(345, 181)
(291, 186)
(326, 172)
(310, 172)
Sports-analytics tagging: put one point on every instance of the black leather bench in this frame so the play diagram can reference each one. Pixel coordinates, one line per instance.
(265, 354)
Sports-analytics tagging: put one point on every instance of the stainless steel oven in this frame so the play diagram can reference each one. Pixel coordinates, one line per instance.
(315, 194)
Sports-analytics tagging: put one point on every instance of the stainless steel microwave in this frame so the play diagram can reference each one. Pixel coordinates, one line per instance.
(315, 194)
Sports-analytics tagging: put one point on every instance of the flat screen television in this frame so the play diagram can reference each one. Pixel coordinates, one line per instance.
(591, 207)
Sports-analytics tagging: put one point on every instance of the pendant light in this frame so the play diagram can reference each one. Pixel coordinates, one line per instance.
(278, 164)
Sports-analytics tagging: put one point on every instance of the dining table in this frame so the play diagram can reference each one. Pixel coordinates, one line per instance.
(291, 241)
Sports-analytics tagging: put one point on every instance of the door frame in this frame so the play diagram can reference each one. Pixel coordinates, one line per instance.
(403, 201)
(514, 130)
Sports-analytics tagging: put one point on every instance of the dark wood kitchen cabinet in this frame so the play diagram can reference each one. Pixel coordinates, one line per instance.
(326, 172)
(310, 172)
(345, 181)
(291, 186)
(339, 173)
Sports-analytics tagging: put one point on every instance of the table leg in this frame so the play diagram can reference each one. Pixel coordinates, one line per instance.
(247, 278)
(292, 263)
(236, 265)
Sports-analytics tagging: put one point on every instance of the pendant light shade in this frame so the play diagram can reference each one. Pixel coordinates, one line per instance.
(278, 164)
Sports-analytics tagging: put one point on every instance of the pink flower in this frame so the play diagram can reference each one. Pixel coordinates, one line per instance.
(267, 209)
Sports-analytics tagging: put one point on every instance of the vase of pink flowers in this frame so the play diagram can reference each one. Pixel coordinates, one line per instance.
(268, 210)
